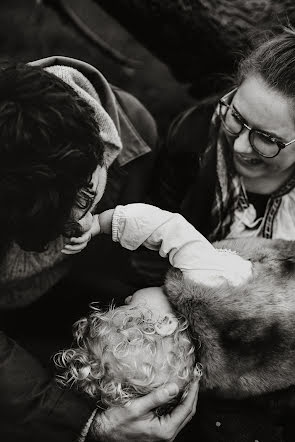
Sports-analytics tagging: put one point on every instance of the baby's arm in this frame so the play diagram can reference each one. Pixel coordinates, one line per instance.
(174, 237)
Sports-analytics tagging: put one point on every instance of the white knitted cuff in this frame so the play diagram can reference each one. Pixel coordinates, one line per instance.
(117, 215)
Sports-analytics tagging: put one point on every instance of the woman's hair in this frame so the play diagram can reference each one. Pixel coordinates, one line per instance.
(50, 145)
(119, 355)
(274, 60)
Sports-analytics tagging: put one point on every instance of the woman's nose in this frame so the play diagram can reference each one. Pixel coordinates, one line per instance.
(242, 143)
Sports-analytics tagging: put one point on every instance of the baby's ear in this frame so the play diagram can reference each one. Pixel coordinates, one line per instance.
(166, 325)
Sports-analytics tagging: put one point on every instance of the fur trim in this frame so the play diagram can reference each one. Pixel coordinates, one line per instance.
(246, 333)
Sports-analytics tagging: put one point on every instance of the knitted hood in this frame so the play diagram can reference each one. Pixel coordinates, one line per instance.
(245, 336)
(92, 86)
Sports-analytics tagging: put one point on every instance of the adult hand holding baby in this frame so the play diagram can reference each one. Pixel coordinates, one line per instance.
(137, 421)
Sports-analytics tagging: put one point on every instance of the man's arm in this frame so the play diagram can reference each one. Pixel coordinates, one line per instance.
(33, 407)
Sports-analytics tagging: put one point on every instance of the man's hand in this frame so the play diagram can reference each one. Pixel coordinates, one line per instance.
(137, 422)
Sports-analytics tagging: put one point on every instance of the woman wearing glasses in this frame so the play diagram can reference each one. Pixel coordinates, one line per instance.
(229, 167)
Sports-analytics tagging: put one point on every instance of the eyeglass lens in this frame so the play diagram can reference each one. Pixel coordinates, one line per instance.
(234, 125)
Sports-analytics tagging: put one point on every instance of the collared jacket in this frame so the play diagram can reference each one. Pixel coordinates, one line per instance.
(33, 407)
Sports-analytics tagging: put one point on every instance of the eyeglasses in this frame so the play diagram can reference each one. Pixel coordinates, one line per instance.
(263, 143)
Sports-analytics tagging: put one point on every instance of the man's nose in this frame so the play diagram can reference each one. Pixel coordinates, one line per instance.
(242, 143)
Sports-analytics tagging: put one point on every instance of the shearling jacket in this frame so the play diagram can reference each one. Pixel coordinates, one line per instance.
(246, 333)
(245, 340)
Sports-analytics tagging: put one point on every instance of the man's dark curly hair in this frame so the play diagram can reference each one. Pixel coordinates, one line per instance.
(50, 145)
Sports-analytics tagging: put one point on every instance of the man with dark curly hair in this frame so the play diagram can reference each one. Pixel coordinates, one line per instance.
(62, 127)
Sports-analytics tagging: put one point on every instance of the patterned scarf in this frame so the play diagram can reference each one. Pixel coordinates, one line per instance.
(228, 184)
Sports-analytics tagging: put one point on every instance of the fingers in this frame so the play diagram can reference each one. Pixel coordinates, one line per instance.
(71, 250)
(76, 245)
(189, 417)
(158, 397)
(80, 239)
(184, 412)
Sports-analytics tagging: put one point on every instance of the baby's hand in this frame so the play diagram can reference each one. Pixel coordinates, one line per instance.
(91, 227)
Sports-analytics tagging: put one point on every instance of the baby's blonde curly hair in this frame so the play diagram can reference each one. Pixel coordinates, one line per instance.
(119, 356)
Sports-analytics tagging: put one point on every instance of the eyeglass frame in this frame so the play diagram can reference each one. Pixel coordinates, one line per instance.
(281, 145)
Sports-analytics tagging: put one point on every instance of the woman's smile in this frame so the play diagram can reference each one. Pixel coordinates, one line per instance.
(248, 160)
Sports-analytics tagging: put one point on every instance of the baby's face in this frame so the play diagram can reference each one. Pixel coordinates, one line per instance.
(152, 298)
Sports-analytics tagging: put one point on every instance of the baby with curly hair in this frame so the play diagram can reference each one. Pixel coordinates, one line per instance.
(127, 351)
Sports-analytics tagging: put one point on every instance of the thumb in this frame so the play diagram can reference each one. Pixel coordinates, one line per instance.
(160, 396)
